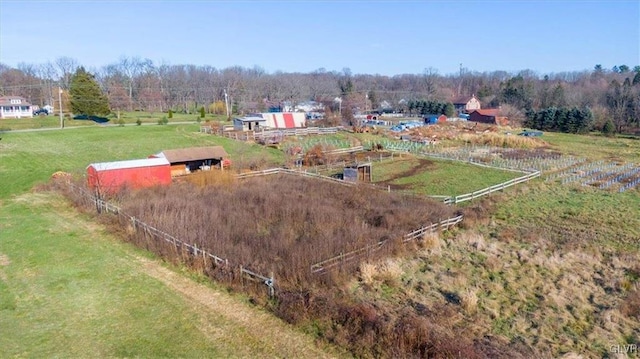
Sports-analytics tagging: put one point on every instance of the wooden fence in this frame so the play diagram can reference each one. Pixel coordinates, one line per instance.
(491, 189)
(106, 207)
(268, 134)
(327, 264)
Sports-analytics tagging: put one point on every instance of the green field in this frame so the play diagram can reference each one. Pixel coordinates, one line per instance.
(437, 177)
(69, 289)
(596, 147)
(542, 265)
(128, 119)
(30, 158)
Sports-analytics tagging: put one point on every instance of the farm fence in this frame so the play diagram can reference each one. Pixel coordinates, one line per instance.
(330, 263)
(179, 245)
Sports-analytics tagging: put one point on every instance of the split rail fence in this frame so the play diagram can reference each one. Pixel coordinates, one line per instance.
(179, 245)
(327, 264)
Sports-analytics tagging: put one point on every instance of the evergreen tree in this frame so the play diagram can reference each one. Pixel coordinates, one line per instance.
(609, 128)
(202, 112)
(86, 96)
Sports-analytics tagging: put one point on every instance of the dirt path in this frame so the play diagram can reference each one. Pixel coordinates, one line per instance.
(263, 330)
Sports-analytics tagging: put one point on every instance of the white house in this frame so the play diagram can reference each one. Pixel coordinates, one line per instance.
(15, 107)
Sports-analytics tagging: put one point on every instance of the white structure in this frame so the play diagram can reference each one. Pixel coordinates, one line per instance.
(284, 119)
(15, 107)
(472, 105)
(309, 106)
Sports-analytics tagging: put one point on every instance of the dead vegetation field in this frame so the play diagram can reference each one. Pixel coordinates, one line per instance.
(283, 224)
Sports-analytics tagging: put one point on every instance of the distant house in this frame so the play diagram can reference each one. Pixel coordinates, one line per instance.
(308, 106)
(466, 105)
(15, 107)
(110, 177)
(187, 160)
(490, 116)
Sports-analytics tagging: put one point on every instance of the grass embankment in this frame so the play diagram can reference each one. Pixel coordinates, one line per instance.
(69, 289)
(436, 177)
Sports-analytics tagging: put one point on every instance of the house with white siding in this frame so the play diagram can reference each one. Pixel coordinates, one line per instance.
(15, 107)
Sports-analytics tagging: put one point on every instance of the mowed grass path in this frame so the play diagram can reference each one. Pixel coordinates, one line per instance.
(69, 289)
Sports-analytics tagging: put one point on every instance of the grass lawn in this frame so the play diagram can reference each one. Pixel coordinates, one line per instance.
(596, 147)
(29, 158)
(69, 289)
(437, 177)
(129, 118)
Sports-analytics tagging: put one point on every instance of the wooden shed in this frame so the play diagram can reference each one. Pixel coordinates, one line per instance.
(109, 177)
(187, 160)
(357, 173)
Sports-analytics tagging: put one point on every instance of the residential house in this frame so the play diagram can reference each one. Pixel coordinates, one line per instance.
(15, 107)
(466, 105)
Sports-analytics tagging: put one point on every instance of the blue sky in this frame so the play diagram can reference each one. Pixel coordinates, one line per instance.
(373, 37)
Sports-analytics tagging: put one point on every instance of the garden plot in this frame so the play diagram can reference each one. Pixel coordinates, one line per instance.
(527, 160)
(601, 175)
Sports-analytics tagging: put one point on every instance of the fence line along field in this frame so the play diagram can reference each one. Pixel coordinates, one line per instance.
(537, 270)
(70, 289)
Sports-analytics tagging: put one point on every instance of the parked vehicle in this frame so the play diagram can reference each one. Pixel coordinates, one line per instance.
(41, 111)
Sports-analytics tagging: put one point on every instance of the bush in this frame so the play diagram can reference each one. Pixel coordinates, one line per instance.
(170, 113)
(138, 122)
(120, 122)
(163, 120)
(608, 129)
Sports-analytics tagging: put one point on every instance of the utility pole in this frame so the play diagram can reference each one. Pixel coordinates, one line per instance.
(60, 104)
(226, 103)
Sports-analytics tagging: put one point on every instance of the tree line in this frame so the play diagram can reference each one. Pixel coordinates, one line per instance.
(134, 83)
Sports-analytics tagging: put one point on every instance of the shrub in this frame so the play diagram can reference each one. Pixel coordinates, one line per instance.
(120, 122)
(170, 113)
(138, 122)
(609, 128)
(202, 112)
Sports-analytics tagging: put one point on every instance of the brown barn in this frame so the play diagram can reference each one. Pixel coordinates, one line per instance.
(187, 160)
(491, 116)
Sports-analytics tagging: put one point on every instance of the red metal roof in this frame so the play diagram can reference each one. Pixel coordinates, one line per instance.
(488, 112)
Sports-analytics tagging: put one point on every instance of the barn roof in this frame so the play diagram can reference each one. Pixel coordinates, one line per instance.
(193, 154)
(488, 112)
(117, 165)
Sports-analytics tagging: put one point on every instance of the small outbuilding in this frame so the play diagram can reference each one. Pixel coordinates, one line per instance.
(252, 123)
(187, 160)
(357, 173)
(110, 177)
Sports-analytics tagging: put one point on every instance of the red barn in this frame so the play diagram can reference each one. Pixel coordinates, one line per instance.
(491, 116)
(111, 176)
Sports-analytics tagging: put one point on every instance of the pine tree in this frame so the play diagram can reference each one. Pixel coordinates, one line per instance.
(608, 129)
(86, 96)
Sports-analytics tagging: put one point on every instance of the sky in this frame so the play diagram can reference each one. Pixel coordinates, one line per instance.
(368, 37)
